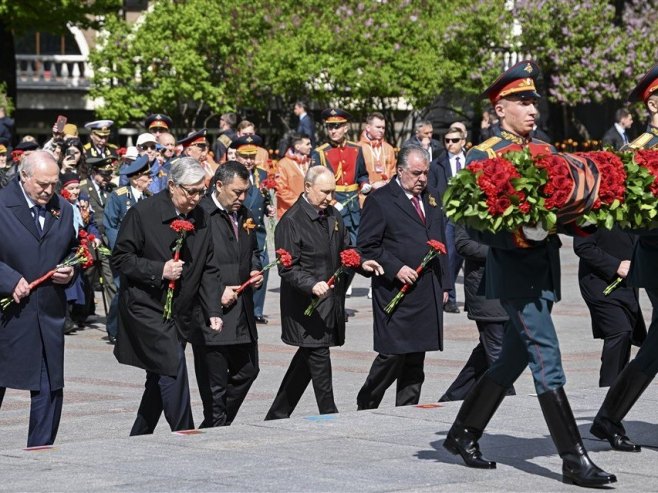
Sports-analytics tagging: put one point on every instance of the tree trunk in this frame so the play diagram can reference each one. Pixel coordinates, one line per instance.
(8, 61)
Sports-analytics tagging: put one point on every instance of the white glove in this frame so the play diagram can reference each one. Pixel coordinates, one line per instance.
(365, 189)
(534, 233)
(338, 206)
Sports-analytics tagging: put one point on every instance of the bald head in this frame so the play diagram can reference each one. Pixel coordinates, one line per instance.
(319, 186)
(39, 174)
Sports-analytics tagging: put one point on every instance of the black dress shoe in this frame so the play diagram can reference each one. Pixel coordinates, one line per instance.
(261, 320)
(451, 307)
(464, 442)
(111, 339)
(618, 441)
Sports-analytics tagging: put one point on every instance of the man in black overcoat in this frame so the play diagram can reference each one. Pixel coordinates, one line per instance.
(617, 317)
(313, 232)
(142, 256)
(39, 235)
(226, 362)
(398, 220)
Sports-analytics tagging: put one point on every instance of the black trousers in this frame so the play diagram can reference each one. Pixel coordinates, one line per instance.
(483, 355)
(168, 394)
(224, 375)
(308, 364)
(45, 410)
(614, 357)
(407, 369)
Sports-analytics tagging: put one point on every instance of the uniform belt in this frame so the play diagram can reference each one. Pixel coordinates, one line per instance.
(347, 188)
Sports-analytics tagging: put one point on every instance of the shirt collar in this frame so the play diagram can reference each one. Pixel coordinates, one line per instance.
(137, 195)
(219, 206)
(621, 130)
(30, 202)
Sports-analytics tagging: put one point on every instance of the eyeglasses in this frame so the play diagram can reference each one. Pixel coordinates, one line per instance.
(246, 156)
(202, 147)
(452, 141)
(192, 193)
(334, 126)
(148, 147)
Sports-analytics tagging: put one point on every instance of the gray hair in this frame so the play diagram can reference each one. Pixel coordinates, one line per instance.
(407, 151)
(422, 123)
(314, 172)
(186, 171)
(34, 159)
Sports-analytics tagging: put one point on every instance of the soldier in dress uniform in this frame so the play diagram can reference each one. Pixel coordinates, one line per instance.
(259, 204)
(99, 133)
(639, 373)
(195, 145)
(523, 271)
(345, 159)
(226, 135)
(118, 204)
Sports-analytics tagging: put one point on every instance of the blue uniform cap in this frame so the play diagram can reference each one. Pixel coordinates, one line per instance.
(139, 166)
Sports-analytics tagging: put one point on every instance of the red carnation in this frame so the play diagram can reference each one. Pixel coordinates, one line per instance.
(284, 257)
(180, 225)
(350, 259)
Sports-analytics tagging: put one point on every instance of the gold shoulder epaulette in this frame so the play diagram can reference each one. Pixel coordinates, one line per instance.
(83, 183)
(121, 190)
(488, 144)
(322, 147)
(641, 141)
(112, 146)
(87, 145)
(225, 139)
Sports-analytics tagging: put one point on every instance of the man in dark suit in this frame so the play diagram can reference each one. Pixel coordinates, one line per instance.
(616, 317)
(258, 202)
(423, 136)
(32, 334)
(450, 163)
(313, 232)
(306, 124)
(616, 136)
(142, 256)
(226, 362)
(523, 271)
(398, 220)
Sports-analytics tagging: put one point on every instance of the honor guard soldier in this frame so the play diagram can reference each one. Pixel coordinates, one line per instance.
(158, 124)
(639, 373)
(99, 133)
(118, 204)
(523, 271)
(345, 159)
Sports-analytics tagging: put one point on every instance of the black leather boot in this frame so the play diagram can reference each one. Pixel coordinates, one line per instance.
(577, 467)
(474, 415)
(624, 392)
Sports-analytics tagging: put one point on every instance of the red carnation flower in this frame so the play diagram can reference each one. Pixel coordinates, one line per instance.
(180, 225)
(350, 259)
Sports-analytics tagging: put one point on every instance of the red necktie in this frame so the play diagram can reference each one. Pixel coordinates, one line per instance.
(416, 204)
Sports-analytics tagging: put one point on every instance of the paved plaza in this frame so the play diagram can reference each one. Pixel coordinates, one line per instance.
(389, 449)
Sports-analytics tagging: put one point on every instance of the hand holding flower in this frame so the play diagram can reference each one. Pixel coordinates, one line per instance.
(172, 270)
(63, 275)
(22, 290)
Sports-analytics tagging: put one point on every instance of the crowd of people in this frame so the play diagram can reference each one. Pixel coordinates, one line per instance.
(211, 205)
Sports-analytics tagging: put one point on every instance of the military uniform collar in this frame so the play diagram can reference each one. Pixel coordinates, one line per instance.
(512, 137)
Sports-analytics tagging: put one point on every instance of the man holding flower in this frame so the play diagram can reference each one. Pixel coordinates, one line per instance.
(397, 223)
(313, 232)
(32, 335)
(158, 291)
(523, 271)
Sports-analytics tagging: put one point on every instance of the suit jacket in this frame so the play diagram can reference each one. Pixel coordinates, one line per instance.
(600, 255)
(144, 244)
(306, 126)
(315, 251)
(36, 324)
(117, 206)
(393, 234)
(613, 138)
(435, 146)
(236, 258)
(290, 184)
(257, 201)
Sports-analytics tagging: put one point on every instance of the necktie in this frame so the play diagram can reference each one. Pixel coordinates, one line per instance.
(416, 203)
(38, 212)
(234, 222)
(625, 138)
(458, 165)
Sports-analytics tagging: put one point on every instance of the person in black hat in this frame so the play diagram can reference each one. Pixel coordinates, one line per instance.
(118, 204)
(258, 202)
(158, 123)
(631, 383)
(523, 271)
(195, 145)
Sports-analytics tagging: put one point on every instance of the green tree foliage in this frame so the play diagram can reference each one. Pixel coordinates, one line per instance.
(200, 55)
